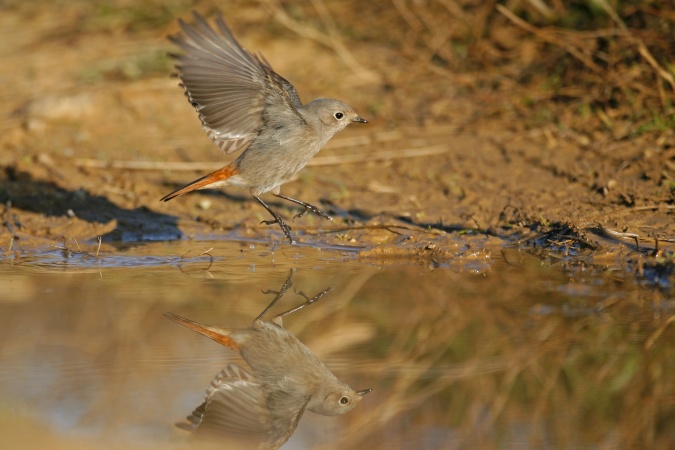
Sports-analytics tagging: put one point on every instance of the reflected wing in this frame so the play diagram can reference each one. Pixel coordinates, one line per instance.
(287, 409)
(235, 404)
(229, 87)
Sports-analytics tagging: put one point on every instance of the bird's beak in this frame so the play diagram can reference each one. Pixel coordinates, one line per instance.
(359, 120)
(365, 391)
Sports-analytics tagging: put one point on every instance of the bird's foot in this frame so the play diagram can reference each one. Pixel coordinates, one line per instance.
(284, 227)
(315, 210)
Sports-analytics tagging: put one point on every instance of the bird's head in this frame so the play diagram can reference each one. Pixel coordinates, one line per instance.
(336, 400)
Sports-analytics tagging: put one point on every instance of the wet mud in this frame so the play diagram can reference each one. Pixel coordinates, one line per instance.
(74, 147)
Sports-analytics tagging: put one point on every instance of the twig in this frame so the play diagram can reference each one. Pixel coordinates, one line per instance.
(98, 259)
(184, 255)
(331, 40)
(328, 160)
(7, 215)
(205, 252)
(143, 165)
(642, 48)
(388, 227)
(634, 209)
(634, 237)
(545, 36)
(617, 234)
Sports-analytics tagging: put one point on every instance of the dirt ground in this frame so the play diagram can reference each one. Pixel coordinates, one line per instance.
(456, 159)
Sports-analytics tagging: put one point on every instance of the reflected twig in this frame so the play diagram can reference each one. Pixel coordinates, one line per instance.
(278, 294)
(179, 264)
(68, 253)
(657, 333)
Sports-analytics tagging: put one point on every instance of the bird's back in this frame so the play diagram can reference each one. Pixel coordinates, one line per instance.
(288, 142)
(276, 356)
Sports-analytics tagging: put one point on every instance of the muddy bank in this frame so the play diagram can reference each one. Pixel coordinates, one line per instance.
(438, 167)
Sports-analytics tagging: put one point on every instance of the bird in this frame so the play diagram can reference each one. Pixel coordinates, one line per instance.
(244, 104)
(263, 405)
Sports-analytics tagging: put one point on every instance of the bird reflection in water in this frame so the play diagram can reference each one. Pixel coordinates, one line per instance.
(261, 407)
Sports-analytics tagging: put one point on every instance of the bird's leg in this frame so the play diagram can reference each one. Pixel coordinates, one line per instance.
(278, 319)
(285, 228)
(280, 293)
(307, 207)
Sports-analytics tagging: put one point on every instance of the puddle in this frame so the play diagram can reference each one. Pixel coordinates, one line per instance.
(514, 352)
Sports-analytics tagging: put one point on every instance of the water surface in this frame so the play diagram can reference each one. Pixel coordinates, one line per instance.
(514, 352)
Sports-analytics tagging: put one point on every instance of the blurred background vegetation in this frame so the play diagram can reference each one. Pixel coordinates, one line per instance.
(587, 64)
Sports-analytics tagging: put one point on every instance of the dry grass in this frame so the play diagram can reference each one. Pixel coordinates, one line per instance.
(585, 66)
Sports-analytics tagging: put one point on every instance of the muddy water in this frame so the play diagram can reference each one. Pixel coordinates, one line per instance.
(512, 352)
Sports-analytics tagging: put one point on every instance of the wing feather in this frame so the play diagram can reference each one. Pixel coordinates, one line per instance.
(229, 87)
(234, 403)
(236, 408)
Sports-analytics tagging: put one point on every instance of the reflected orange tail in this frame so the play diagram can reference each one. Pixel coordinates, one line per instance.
(217, 334)
(214, 178)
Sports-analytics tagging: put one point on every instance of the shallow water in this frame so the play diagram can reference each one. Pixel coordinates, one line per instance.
(513, 352)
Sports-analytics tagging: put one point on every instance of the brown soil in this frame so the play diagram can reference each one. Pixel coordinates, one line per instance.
(89, 87)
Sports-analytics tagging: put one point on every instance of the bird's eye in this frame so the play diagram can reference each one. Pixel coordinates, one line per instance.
(344, 400)
(339, 116)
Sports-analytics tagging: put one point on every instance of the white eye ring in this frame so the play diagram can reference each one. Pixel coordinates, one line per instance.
(344, 400)
(339, 116)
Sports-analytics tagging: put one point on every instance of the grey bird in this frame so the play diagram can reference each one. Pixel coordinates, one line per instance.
(243, 103)
(262, 407)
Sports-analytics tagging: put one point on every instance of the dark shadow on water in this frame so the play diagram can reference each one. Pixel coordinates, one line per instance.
(46, 197)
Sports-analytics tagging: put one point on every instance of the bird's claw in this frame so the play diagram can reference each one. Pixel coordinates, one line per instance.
(284, 227)
(315, 210)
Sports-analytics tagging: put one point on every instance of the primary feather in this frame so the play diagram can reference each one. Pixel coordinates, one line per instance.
(228, 86)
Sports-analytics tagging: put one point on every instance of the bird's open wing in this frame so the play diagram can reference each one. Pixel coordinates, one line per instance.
(229, 87)
(235, 404)
(237, 409)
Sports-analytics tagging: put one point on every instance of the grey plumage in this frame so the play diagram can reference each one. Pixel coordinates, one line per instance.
(228, 86)
(264, 405)
(244, 104)
(235, 409)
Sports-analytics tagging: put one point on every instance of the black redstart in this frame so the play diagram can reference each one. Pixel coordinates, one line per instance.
(243, 102)
(265, 405)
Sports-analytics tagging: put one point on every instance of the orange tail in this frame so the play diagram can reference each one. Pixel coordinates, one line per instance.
(217, 334)
(213, 179)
